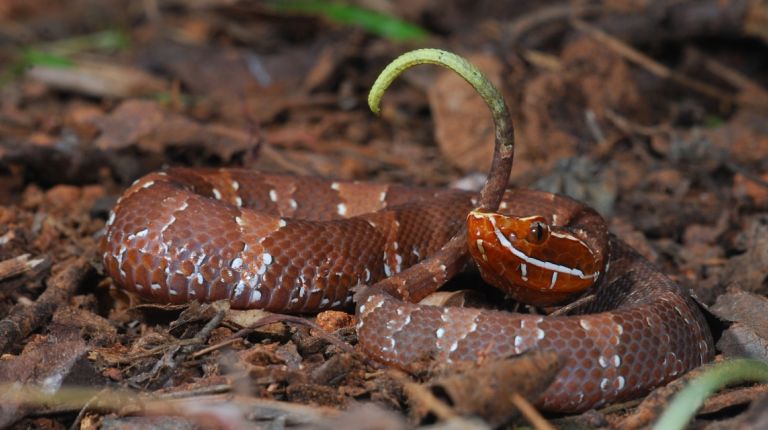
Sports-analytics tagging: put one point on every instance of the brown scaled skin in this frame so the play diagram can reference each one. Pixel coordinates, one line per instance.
(181, 235)
(532, 260)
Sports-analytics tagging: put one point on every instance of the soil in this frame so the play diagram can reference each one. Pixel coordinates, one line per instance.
(654, 113)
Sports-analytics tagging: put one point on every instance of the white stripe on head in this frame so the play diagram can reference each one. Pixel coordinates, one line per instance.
(536, 262)
(554, 280)
(571, 237)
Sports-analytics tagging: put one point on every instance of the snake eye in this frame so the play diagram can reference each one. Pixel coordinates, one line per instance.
(538, 232)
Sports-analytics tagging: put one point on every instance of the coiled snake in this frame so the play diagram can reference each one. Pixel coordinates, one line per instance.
(299, 245)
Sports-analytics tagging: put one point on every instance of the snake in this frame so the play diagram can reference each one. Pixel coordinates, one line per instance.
(302, 244)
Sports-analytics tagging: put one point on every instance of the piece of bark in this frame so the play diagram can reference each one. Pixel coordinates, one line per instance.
(46, 361)
(19, 270)
(486, 390)
(17, 265)
(23, 320)
(335, 370)
(755, 417)
(151, 128)
(744, 307)
(741, 340)
(331, 321)
(732, 397)
(643, 23)
(748, 270)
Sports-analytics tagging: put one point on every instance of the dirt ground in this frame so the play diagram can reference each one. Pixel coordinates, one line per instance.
(654, 113)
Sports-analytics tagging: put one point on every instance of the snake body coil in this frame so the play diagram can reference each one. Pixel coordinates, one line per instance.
(273, 242)
(298, 245)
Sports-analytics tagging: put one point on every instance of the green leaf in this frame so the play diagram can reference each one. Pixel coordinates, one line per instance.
(58, 53)
(376, 23)
(102, 41)
(35, 57)
(713, 121)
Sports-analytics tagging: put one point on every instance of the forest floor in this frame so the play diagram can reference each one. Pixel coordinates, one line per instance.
(654, 113)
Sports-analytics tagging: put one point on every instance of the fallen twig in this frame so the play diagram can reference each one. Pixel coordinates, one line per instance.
(523, 24)
(223, 411)
(662, 71)
(18, 265)
(22, 320)
(530, 413)
(271, 319)
(20, 270)
(730, 75)
(573, 305)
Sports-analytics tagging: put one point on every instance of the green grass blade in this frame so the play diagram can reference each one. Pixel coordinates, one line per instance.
(373, 22)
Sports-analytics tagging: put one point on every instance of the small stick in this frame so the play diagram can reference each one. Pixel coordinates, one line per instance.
(660, 70)
(271, 319)
(211, 325)
(215, 346)
(199, 409)
(419, 394)
(571, 306)
(20, 270)
(523, 24)
(530, 413)
(724, 156)
(733, 77)
(17, 265)
(86, 407)
(736, 167)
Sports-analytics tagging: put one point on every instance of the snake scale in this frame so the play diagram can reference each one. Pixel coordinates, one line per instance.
(299, 245)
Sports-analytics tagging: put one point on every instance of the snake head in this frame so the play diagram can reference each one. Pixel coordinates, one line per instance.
(530, 259)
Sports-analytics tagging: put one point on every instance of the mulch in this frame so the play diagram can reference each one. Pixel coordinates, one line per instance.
(654, 113)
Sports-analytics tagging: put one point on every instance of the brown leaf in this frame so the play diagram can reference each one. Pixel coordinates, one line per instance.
(130, 121)
(463, 126)
(146, 125)
(748, 337)
(96, 329)
(319, 395)
(245, 318)
(743, 137)
(46, 361)
(755, 417)
(99, 79)
(331, 321)
(732, 397)
(741, 340)
(743, 307)
(748, 270)
(746, 187)
(486, 390)
(557, 106)
(460, 298)
(335, 370)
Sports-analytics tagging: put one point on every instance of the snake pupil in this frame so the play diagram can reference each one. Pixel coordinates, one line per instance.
(537, 232)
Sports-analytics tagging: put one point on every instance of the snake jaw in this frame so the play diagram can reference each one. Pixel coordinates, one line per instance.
(548, 270)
